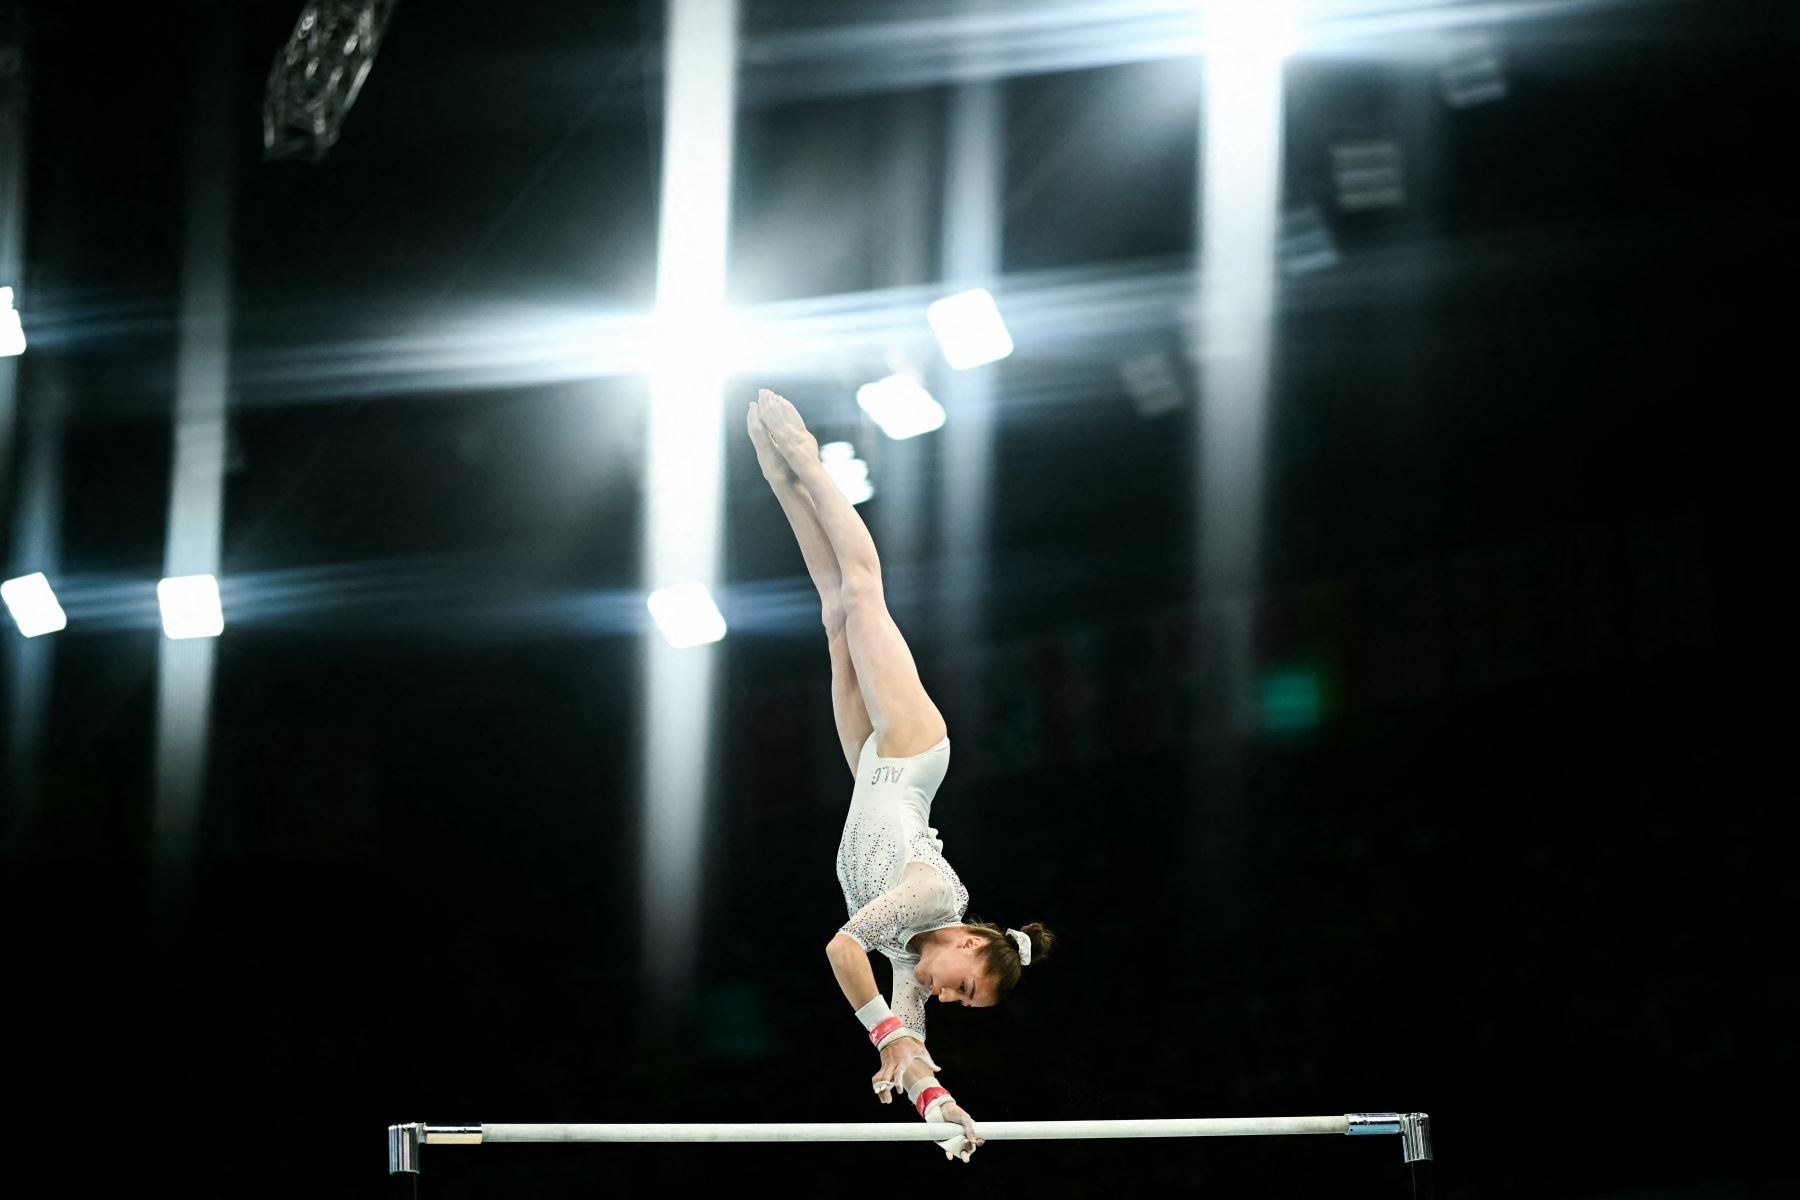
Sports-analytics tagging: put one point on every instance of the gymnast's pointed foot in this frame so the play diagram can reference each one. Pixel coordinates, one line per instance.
(774, 467)
(787, 431)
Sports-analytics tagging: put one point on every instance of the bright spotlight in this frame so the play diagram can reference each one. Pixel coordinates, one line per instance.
(686, 615)
(33, 605)
(850, 473)
(700, 340)
(1260, 30)
(12, 334)
(901, 406)
(190, 606)
(969, 329)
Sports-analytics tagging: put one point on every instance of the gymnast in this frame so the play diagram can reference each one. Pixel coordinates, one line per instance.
(903, 897)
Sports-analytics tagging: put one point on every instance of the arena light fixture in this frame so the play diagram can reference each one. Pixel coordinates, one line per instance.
(12, 333)
(686, 615)
(969, 329)
(33, 605)
(190, 607)
(900, 406)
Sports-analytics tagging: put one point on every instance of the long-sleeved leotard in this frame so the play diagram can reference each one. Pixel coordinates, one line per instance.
(891, 866)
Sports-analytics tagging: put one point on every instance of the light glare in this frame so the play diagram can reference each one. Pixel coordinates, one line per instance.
(850, 473)
(900, 406)
(190, 606)
(969, 329)
(33, 605)
(686, 615)
(1255, 30)
(12, 333)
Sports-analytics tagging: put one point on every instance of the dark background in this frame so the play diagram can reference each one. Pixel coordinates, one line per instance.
(1519, 869)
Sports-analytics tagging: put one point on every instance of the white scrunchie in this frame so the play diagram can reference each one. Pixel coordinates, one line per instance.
(1024, 944)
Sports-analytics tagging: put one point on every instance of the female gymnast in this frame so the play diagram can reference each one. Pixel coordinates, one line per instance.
(902, 895)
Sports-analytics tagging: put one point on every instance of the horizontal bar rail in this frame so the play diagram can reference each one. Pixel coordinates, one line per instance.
(406, 1141)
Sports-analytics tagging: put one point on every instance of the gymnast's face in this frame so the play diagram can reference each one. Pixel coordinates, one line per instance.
(954, 972)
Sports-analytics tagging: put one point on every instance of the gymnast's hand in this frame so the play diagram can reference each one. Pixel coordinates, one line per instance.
(896, 1057)
(963, 1145)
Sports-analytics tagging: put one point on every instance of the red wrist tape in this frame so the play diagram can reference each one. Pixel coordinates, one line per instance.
(882, 1030)
(929, 1095)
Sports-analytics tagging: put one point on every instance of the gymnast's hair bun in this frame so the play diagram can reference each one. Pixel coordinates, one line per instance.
(1042, 941)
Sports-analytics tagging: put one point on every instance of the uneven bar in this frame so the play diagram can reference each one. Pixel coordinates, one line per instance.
(993, 1131)
(405, 1141)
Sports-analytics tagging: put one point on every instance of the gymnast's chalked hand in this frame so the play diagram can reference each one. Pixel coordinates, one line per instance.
(896, 1056)
(963, 1144)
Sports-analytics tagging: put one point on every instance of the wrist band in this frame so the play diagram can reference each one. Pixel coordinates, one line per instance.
(928, 1095)
(873, 1013)
(899, 1031)
(883, 1026)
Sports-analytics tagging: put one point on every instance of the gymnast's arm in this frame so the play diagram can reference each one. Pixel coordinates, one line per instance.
(916, 1078)
(909, 1006)
(903, 1059)
(850, 964)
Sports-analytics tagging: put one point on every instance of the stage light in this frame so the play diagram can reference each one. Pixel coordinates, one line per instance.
(190, 606)
(684, 458)
(1249, 29)
(900, 406)
(686, 615)
(316, 76)
(969, 329)
(33, 605)
(850, 473)
(12, 333)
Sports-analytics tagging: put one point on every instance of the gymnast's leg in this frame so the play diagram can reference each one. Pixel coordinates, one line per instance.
(847, 706)
(905, 720)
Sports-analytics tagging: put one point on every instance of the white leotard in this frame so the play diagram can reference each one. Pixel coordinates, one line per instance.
(897, 883)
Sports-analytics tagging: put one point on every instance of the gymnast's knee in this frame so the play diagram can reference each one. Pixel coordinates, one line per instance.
(861, 588)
